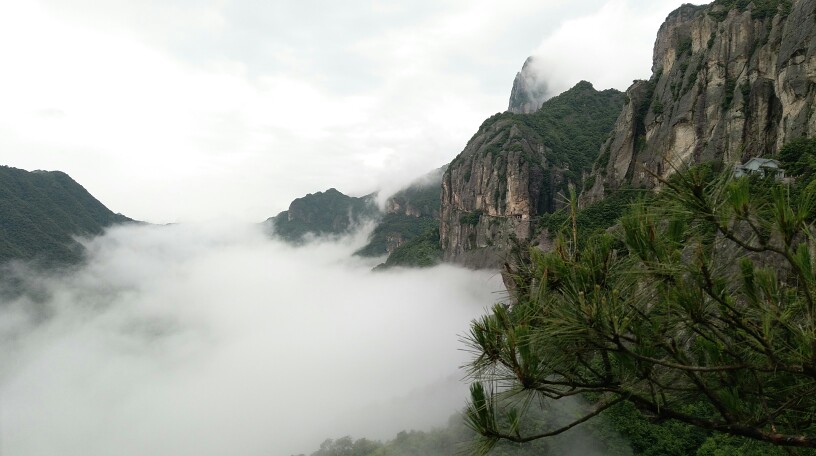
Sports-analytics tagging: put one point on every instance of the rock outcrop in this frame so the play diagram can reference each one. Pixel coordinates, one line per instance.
(529, 89)
(728, 82)
(513, 170)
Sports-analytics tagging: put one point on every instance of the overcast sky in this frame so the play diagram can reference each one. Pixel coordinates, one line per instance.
(183, 110)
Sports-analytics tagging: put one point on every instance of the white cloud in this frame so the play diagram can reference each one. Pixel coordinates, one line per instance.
(194, 339)
(610, 47)
(189, 111)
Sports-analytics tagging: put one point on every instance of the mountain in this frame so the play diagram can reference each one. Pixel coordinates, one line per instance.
(407, 231)
(322, 213)
(411, 213)
(730, 81)
(513, 169)
(529, 89)
(41, 214)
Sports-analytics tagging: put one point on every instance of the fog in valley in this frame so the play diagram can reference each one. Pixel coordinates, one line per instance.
(214, 340)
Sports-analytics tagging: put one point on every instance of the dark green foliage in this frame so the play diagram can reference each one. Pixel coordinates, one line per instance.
(594, 218)
(490, 121)
(421, 200)
(643, 109)
(762, 8)
(745, 90)
(589, 182)
(422, 196)
(322, 213)
(675, 438)
(684, 47)
(573, 125)
(41, 213)
(798, 158)
(725, 445)
(558, 143)
(420, 252)
(697, 310)
(456, 438)
(603, 159)
(345, 446)
(403, 226)
(471, 218)
(692, 79)
(650, 439)
(728, 92)
(718, 16)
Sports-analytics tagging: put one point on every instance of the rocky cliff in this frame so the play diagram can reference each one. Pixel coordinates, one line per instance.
(529, 89)
(730, 80)
(513, 169)
(410, 213)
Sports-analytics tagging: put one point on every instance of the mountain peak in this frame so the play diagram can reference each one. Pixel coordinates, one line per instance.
(530, 90)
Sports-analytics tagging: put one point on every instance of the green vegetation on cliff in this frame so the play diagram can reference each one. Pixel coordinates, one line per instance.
(696, 311)
(322, 213)
(760, 8)
(572, 126)
(420, 252)
(394, 230)
(410, 213)
(41, 212)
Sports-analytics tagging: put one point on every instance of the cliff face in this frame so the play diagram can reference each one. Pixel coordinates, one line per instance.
(409, 213)
(513, 169)
(491, 192)
(728, 82)
(529, 89)
(420, 199)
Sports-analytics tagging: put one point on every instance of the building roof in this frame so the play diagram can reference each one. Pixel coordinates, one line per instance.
(757, 162)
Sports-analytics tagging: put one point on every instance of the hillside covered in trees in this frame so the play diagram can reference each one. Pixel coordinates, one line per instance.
(41, 214)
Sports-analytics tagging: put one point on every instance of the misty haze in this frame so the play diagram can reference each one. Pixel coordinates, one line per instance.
(407, 228)
(213, 340)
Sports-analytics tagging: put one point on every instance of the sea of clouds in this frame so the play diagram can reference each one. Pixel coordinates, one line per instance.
(213, 339)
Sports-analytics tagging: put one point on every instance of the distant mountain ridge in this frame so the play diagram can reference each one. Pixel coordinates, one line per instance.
(322, 213)
(41, 213)
(407, 231)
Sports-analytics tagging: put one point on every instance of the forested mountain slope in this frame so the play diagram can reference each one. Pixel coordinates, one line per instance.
(41, 213)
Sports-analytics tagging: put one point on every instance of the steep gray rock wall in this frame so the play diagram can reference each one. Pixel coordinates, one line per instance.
(727, 84)
(490, 194)
(529, 89)
(514, 169)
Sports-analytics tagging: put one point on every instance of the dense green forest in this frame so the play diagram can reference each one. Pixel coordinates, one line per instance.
(420, 252)
(41, 213)
(572, 126)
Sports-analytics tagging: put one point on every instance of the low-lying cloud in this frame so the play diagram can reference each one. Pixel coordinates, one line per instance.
(213, 340)
(609, 47)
